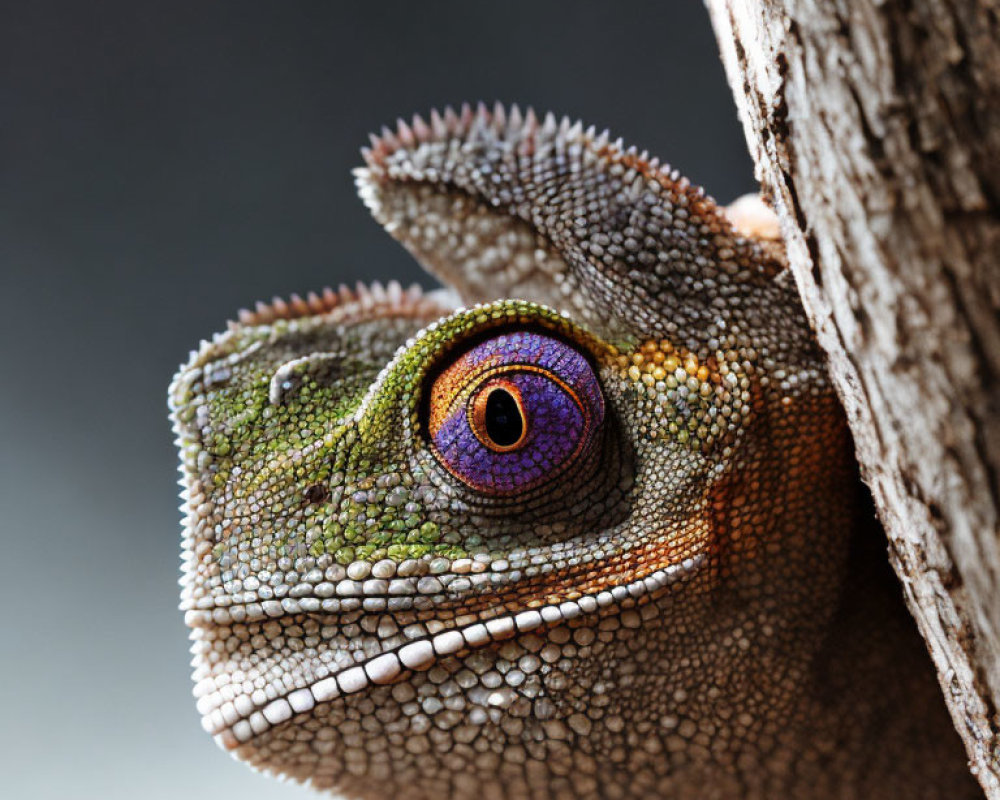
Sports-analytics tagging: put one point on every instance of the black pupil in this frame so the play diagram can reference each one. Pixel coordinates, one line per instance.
(504, 425)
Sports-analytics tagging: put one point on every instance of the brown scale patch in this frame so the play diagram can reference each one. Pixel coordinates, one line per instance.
(574, 582)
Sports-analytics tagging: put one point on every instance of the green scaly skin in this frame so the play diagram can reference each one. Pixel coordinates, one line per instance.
(695, 610)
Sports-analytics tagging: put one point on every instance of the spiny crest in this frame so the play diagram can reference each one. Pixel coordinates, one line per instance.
(499, 203)
(525, 132)
(392, 295)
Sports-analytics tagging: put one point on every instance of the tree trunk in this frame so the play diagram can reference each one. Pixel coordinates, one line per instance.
(875, 128)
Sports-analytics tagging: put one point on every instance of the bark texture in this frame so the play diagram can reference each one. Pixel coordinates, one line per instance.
(875, 128)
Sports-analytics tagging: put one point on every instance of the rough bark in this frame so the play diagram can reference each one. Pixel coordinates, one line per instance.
(875, 128)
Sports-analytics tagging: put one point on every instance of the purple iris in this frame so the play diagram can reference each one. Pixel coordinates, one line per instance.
(514, 411)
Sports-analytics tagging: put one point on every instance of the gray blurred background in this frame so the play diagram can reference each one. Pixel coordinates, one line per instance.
(162, 165)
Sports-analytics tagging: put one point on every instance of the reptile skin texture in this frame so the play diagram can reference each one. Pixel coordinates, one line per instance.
(586, 524)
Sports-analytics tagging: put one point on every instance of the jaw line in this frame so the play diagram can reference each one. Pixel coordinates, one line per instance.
(234, 726)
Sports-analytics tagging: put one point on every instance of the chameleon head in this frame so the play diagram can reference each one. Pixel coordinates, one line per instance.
(489, 547)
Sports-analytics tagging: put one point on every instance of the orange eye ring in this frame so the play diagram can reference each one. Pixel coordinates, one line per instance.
(484, 401)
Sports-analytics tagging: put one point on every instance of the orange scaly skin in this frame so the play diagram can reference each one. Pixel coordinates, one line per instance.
(688, 603)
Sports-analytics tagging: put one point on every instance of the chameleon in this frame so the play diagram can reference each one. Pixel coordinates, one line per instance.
(585, 523)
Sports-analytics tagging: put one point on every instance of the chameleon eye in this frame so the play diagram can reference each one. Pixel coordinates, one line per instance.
(513, 412)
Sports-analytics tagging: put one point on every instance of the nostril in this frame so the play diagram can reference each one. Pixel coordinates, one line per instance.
(317, 493)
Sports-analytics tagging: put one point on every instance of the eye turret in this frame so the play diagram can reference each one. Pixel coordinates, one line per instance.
(514, 411)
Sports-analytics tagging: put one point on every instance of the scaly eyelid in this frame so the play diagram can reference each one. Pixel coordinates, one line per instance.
(399, 396)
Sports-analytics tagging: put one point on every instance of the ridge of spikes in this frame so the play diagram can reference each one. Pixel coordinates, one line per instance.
(392, 295)
(523, 130)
